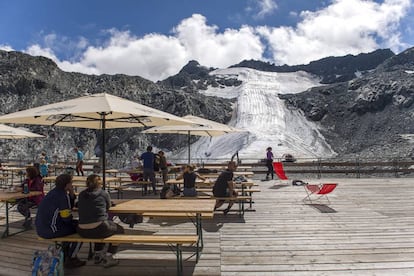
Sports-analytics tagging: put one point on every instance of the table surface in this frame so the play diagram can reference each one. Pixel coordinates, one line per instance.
(202, 206)
(5, 196)
(79, 178)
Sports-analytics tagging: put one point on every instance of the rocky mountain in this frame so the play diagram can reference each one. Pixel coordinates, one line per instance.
(194, 77)
(27, 81)
(369, 116)
(365, 108)
(330, 69)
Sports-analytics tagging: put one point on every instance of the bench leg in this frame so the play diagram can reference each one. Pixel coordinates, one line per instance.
(241, 208)
(179, 254)
(200, 242)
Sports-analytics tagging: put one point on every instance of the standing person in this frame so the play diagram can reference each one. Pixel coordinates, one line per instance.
(44, 168)
(93, 206)
(189, 177)
(148, 158)
(34, 182)
(224, 186)
(163, 166)
(269, 163)
(54, 218)
(79, 161)
(44, 156)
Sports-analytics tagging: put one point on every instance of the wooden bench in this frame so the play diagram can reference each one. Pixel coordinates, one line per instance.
(241, 192)
(239, 199)
(132, 186)
(176, 240)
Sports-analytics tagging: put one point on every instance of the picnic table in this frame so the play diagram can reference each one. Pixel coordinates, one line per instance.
(191, 208)
(9, 198)
(78, 181)
(14, 170)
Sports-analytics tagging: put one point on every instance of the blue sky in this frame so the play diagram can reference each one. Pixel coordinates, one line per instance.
(155, 39)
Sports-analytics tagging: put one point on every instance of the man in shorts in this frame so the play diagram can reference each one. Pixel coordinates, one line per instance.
(224, 186)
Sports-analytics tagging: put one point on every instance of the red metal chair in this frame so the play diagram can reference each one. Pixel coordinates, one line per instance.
(318, 191)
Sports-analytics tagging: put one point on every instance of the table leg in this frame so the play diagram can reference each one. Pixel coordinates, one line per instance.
(200, 242)
(6, 231)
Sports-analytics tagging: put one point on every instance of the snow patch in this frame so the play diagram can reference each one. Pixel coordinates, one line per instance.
(267, 121)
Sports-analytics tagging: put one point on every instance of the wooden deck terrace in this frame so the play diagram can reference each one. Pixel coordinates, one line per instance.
(368, 229)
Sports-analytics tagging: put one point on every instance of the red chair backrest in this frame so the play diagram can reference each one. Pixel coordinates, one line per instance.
(327, 188)
(280, 172)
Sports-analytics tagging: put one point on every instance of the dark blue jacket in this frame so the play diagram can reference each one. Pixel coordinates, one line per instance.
(54, 215)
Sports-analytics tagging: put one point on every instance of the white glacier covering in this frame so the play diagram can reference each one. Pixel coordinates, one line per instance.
(267, 121)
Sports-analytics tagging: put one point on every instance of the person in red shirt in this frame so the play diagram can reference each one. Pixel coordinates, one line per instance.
(35, 183)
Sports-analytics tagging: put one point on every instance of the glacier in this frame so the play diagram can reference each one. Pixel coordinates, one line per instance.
(266, 120)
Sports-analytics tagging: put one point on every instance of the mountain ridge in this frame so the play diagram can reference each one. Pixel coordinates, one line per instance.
(27, 81)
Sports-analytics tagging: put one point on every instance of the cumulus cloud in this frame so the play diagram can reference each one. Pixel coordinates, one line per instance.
(157, 56)
(6, 47)
(344, 27)
(204, 44)
(37, 50)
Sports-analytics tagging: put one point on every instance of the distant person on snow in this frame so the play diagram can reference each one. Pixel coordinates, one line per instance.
(269, 163)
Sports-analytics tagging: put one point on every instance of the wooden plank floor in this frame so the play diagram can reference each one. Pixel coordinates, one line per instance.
(368, 229)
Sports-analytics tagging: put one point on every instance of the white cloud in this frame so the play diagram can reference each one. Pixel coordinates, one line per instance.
(344, 27)
(266, 7)
(157, 56)
(204, 44)
(6, 47)
(259, 9)
(153, 56)
(37, 50)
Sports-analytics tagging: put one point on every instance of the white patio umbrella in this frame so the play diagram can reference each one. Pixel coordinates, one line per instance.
(7, 132)
(200, 127)
(97, 111)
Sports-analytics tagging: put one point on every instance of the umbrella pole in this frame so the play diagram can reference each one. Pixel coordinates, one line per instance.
(103, 151)
(189, 146)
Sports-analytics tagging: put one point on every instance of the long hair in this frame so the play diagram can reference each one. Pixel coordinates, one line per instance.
(32, 172)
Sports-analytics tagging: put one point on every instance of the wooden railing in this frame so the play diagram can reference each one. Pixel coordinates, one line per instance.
(314, 168)
(357, 168)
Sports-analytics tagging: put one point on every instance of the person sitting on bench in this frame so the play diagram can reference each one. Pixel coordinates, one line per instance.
(54, 218)
(93, 206)
(224, 186)
(189, 177)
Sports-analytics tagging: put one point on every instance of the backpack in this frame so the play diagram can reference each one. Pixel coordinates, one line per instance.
(48, 262)
(137, 176)
(130, 219)
(169, 191)
(298, 182)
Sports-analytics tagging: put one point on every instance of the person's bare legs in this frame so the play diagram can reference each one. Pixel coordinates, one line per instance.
(219, 203)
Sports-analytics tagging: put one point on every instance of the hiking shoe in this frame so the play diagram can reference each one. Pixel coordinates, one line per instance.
(110, 261)
(225, 211)
(74, 262)
(27, 224)
(98, 258)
